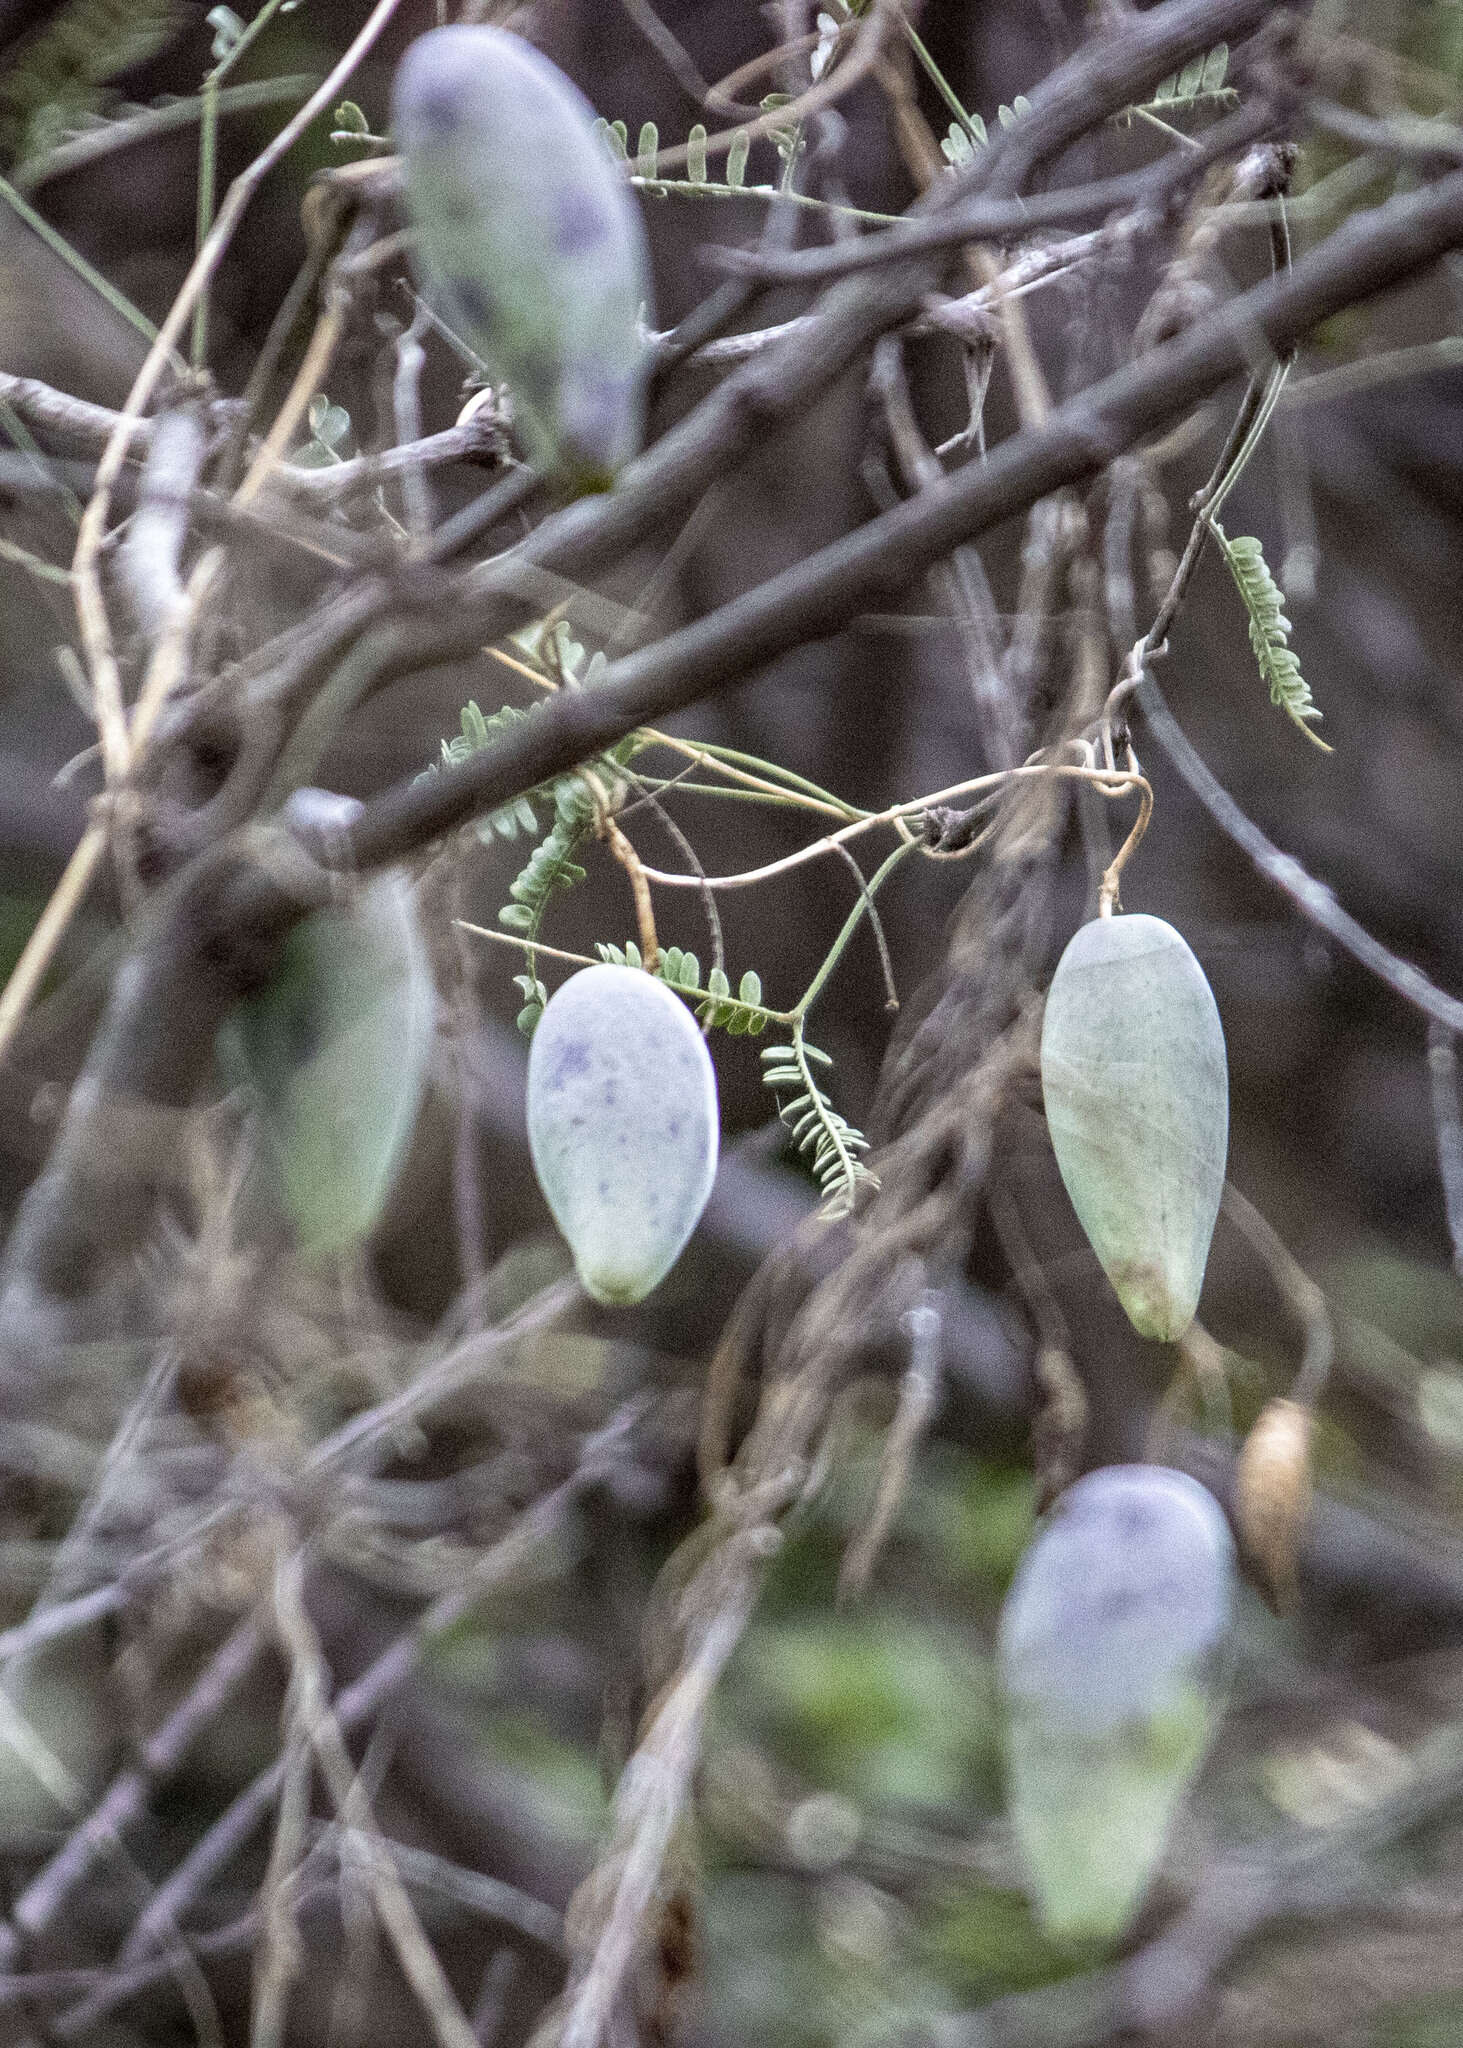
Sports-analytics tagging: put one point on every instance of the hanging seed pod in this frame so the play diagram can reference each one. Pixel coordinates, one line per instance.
(335, 1052)
(623, 1126)
(1137, 1102)
(1272, 1496)
(528, 240)
(1108, 1656)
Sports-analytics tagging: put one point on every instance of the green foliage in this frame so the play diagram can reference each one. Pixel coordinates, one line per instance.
(479, 732)
(827, 1141)
(55, 79)
(351, 126)
(551, 866)
(872, 1706)
(535, 1001)
(739, 1013)
(959, 145)
(986, 1941)
(628, 955)
(645, 163)
(742, 1014)
(330, 427)
(1270, 630)
(973, 1515)
(1200, 80)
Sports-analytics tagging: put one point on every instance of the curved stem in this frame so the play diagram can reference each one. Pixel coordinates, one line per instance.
(1107, 894)
(851, 923)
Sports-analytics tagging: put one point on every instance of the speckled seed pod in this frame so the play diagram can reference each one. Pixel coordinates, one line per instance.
(623, 1126)
(1137, 1102)
(1109, 1655)
(529, 241)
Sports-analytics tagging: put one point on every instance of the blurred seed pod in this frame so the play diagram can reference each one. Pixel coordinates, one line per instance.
(1272, 1496)
(529, 241)
(1108, 1657)
(335, 1050)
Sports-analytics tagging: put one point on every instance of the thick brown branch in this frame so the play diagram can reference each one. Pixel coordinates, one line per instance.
(879, 562)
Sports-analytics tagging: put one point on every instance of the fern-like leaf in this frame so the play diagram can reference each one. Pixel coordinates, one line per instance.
(959, 146)
(535, 1002)
(827, 1141)
(479, 732)
(616, 138)
(55, 78)
(1270, 631)
(740, 1014)
(551, 866)
(1199, 84)
(1201, 79)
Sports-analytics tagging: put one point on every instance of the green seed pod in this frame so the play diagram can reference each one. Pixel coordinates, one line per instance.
(622, 1124)
(335, 1051)
(1137, 1102)
(529, 241)
(1110, 1654)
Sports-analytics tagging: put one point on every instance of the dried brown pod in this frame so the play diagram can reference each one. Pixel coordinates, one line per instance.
(1272, 1497)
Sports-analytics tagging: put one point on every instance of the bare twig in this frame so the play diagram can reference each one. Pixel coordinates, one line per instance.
(1442, 1062)
(91, 609)
(1311, 898)
(1304, 1298)
(358, 1702)
(311, 1686)
(125, 1798)
(919, 1397)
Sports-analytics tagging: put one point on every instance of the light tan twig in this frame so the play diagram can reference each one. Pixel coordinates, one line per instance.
(1110, 782)
(308, 379)
(96, 632)
(630, 861)
(1302, 1296)
(919, 1397)
(49, 930)
(393, 1904)
(279, 1956)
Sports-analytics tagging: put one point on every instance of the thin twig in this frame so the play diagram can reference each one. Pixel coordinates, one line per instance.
(398, 1916)
(1442, 1063)
(91, 609)
(124, 1800)
(1304, 1298)
(1312, 898)
(919, 1398)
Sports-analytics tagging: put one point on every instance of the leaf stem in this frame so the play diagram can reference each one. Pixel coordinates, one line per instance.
(851, 924)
